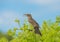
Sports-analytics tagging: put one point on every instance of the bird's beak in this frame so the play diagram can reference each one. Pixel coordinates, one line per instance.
(24, 15)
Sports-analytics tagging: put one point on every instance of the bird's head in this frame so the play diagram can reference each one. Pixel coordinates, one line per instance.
(28, 15)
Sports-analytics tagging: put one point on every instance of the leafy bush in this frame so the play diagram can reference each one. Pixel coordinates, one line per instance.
(50, 33)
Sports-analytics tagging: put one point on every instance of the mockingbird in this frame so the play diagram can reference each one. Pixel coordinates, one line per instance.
(34, 23)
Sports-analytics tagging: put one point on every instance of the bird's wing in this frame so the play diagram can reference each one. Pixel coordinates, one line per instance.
(33, 22)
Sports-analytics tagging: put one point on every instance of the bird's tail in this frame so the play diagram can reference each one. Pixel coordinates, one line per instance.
(37, 31)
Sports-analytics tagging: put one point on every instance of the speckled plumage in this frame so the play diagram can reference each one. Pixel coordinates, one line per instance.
(34, 23)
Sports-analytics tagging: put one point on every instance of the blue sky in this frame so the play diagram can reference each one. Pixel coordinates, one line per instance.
(40, 9)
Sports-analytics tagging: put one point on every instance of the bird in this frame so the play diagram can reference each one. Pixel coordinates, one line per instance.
(34, 24)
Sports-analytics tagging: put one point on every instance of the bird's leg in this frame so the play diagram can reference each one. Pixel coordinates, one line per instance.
(29, 29)
(37, 31)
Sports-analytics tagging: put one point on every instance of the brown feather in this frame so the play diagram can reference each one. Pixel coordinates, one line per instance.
(34, 23)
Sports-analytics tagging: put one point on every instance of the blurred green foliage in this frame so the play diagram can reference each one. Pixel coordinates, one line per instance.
(50, 33)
